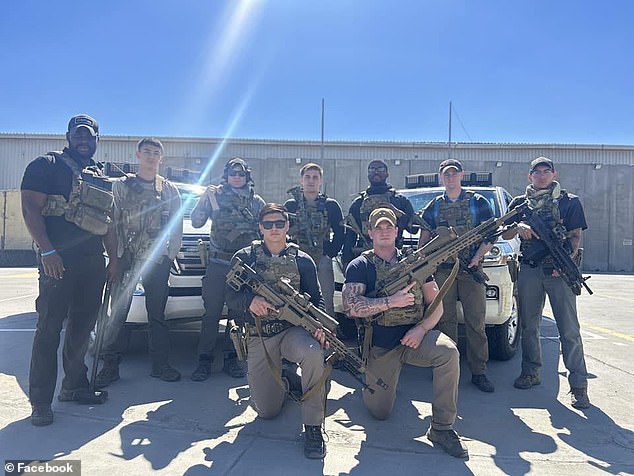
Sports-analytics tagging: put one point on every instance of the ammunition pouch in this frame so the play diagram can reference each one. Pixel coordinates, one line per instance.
(89, 208)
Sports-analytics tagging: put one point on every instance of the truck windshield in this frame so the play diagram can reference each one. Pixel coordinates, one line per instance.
(420, 199)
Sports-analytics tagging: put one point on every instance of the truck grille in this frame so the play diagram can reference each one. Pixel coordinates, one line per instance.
(188, 257)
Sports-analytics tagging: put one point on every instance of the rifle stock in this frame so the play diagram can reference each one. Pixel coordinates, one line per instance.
(297, 309)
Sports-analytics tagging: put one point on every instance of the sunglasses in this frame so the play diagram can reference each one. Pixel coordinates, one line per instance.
(237, 173)
(268, 225)
(380, 168)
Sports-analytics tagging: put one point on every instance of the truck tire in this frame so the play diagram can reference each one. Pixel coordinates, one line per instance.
(504, 339)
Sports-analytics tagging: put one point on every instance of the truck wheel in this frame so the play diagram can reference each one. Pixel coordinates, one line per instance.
(504, 339)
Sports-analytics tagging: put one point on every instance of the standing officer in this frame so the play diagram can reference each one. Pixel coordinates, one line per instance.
(274, 258)
(68, 214)
(462, 210)
(313, 216)
(378, 194)
(537, 277)
(233, 207)
(399, 336)
(149, 231)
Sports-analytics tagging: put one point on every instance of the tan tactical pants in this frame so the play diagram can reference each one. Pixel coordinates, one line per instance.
(472, 297)
(295, 345)
(437, 351)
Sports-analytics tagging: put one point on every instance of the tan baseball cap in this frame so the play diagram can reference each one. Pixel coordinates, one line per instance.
(382, 214)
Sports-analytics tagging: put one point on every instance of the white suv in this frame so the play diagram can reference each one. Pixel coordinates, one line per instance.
(500, 264)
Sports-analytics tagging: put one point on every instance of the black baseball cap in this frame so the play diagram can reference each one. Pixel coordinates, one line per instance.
(83, 120)
(545, 161)
(445, 164)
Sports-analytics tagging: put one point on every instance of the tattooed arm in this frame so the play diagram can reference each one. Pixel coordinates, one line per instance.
(355, 304)
(574, 237)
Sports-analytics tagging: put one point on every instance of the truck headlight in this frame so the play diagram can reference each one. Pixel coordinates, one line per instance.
(499, 253)
(494, 252)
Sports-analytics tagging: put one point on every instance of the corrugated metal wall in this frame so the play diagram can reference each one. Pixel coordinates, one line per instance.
(607, 192)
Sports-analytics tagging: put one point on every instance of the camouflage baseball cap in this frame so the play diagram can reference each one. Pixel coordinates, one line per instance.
(545, 161)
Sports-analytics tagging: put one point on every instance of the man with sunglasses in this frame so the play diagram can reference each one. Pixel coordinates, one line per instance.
(463, 210)
(379, 194)
(233, 208)
(274, 258)
(398, 332)
(537, 278)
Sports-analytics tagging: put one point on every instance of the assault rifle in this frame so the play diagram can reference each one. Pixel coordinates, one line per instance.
(563, 262)
(420, 264)
(297, 309)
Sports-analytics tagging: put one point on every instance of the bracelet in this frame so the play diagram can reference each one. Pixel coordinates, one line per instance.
(387, 302)
(48, 253)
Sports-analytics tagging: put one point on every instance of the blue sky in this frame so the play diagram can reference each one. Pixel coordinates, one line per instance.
(516, 71)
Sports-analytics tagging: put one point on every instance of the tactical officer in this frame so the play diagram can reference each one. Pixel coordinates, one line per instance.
(233, 207)
(67, 210)
(149, 231)
(463, 210)
(313, 216)
(274, 258)
(399, 335)
(379, 193)
(537, 277)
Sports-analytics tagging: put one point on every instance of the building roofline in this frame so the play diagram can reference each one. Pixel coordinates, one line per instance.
(339, 143)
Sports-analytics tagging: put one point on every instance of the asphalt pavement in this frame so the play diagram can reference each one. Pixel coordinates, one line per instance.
(149, 426)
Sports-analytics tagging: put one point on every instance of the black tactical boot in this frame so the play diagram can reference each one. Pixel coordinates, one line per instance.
(234, 368)
(579, 398)
(167, 373)
(449, 441)
(109, 373)
(483, 383)
(203, 371)
(41, 415)
(314, 445)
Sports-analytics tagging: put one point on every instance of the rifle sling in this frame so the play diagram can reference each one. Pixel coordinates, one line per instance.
(367, 342)
(277, 373)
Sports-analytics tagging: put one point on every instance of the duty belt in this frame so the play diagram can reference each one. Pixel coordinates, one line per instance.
(269, 329)
(547, 261)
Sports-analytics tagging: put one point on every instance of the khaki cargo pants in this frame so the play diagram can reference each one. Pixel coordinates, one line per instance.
(295, 345)
(436, 351)
(472, 296)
